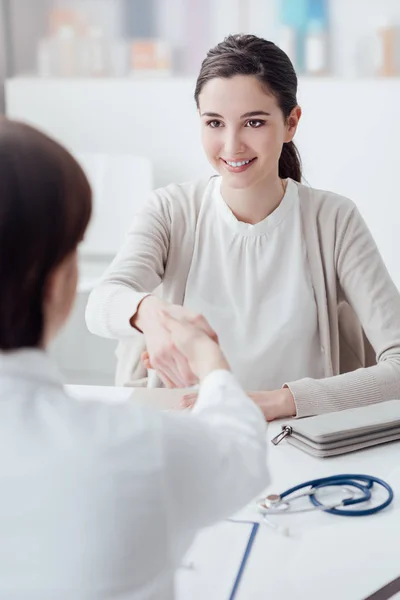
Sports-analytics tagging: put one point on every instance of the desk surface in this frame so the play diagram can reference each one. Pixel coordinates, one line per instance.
(325, 556)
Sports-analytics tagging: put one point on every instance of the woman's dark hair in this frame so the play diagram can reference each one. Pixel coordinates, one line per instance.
(45, 206)
(251, 55)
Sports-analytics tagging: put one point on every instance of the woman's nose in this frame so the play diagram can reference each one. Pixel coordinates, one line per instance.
(233, 146)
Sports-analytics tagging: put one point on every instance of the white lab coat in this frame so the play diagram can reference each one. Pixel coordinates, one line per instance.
(100, 501)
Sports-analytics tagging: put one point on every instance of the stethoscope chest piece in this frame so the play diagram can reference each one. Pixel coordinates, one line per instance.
(273, 501)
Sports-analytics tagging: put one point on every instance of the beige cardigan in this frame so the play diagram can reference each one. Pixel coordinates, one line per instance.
(357, 302)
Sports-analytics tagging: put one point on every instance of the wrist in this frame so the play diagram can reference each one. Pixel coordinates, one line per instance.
(287, 405)
(211, 366)
(209, 358)
(147, 312)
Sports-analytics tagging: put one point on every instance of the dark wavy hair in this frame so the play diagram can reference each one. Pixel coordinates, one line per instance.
(45, 207)
(251, 55)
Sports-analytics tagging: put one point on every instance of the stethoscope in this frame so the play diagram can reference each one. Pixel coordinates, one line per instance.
(358, 489)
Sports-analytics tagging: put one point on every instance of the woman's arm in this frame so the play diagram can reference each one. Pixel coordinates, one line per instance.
(372, 294)
(122, 304)
(135, 272)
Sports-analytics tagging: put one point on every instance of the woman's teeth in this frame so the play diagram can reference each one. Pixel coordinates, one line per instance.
(237, 164)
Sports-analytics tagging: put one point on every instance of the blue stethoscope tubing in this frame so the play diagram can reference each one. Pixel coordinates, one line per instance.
(363, 482)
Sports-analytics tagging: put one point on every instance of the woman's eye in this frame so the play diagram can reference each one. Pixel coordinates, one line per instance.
(214, 124)
(254, 123)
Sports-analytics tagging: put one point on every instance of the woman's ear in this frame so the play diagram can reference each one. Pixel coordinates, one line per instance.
(292, 123)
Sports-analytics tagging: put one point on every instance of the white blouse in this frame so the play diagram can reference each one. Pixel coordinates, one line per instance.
(252, 283)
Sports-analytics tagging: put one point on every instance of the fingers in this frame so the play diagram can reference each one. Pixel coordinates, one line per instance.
(183, 315)
(185, 372)
(165, 370)
(171, 370)
(172, 367)
(166, 380)
(145, 358)
(189, 400)
(175, 326)
(203, 324)
(176, 344)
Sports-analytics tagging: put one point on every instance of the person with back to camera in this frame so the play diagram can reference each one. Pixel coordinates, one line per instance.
(288, 276)
(98, 500)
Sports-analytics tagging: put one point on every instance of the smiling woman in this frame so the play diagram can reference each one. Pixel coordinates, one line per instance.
(288, 278)
(247, 143)
(263, 78)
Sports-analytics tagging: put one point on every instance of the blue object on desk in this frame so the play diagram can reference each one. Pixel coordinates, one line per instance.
(245, 556)
(275, 504)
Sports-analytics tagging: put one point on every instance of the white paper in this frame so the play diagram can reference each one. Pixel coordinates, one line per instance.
(210, 568)
(160, 398)
(103, 393)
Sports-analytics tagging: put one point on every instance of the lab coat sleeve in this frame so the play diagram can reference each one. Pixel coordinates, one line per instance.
(215, 455)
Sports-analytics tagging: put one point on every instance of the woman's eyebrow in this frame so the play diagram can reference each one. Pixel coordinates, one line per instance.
(212, 114)
(252, 113)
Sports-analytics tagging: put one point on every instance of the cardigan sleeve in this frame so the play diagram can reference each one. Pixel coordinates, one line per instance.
(375, 299)
(135, 272)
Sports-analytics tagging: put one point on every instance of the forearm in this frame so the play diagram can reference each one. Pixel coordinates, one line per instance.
(357, 388)
(110, 308)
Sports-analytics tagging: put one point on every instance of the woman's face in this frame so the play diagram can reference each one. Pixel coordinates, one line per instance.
(243, 130)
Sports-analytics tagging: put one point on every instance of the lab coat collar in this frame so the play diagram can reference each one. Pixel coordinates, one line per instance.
(30, 364)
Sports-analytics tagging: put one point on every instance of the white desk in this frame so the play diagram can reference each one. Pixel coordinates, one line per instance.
(326, 557)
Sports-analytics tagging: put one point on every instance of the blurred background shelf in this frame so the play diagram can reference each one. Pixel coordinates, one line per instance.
(98, 37)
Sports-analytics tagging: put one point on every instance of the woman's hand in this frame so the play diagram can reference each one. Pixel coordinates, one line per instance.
(277, 404)
(162, 354)
(201, 351)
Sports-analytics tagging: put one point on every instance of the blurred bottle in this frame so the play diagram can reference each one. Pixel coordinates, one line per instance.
(45, 58)
(150, 57)
(197, 33)
(58, 54)
(65, 48)
(294, 13)
(316, 40)
(95, 53)
(288, 39)
(171, 29)
(292, 25)
(119, 58)
(141, 19)
(316, 53)
(387, 44)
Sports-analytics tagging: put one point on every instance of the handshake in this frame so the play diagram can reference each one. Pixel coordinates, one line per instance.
(181, 345)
